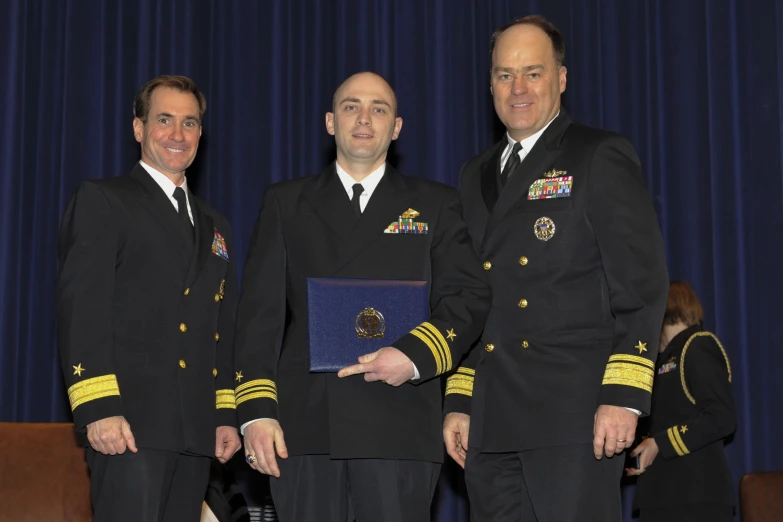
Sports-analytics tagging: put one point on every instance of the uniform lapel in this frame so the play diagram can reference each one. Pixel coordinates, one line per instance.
(538, 160)
(159, 205)
(328, 198)
(490, 176)
(389, 200)
(205, 234)
(330, 201)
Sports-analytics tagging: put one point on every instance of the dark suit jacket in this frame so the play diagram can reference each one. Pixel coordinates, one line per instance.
(575, 319)
(307, 228)
(142, 316)
(692, 413)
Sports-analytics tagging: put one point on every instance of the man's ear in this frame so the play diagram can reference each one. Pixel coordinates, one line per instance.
(330, 123)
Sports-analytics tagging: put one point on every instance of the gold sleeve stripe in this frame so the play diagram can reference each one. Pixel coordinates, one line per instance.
(459, 385)
(673, 440)
(682, 360)
(677, 436)
(466, 370)
(261, 388)
(257, 395)
(256, 382)
(441, 342)
(628, 378)
(91, 389)
(620, 357)
(646, 373)
(424, 337)
(225, 399)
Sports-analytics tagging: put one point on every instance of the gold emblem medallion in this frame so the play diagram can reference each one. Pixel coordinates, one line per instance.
(370, 324)
(544, 228)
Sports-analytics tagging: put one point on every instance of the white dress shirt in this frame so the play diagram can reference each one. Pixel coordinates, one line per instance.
(368, 184)
(168, 187)
(527, 144)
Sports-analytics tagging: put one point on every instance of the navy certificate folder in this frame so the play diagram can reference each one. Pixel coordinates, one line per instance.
(352, 317)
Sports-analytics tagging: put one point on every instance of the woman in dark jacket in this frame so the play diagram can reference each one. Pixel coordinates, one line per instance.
(683, 471)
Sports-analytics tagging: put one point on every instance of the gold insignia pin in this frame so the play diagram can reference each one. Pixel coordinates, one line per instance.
(642, 347)
(369, 324)
(555, 173)
(683, 429)
(451, 335)
(77, 370)
(544, 228)
(222, 291)
(410, 214)
(239, 376)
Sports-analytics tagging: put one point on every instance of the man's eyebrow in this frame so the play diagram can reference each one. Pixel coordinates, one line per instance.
(169, 115)
(525, 69)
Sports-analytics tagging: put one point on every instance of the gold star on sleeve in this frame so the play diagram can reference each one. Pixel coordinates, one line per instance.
(683, 429)
(642, 347)
(451, 335)
(77, 370)
(239, 376)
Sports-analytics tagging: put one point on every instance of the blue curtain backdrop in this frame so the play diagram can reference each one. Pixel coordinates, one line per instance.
(696, 85)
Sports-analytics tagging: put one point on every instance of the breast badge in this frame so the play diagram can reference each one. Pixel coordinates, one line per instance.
(544, 228)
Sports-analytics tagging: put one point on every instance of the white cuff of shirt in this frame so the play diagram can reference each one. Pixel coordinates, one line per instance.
(634, 410)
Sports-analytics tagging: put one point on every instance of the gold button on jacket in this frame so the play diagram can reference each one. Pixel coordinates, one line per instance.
(525, 345)
(523, 303)
(489, 347)
(487, 265)
(523, 260)
(182, 363)
(183, 327)
(217, 336)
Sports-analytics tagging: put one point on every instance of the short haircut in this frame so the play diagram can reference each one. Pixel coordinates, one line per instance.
(683, 305)
(141, 104)
(558, 44)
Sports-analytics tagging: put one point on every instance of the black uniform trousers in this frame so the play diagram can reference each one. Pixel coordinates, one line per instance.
(148, 486)
(558, 484)
(316, 488)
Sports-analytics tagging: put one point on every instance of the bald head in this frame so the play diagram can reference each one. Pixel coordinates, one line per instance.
(360, 79)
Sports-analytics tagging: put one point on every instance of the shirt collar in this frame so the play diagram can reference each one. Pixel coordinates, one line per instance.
(368, 184)
(164, 182)
(527, 143)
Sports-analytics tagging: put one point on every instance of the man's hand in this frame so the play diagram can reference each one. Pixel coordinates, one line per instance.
(226, 443)
(262, 439)
(647, 452)
(455, 434)
(388, 365)
(111, 436)
(614, 430)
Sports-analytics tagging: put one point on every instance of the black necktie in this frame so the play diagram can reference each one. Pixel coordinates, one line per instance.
(182, 210)
(357, 191)
(511, 164)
